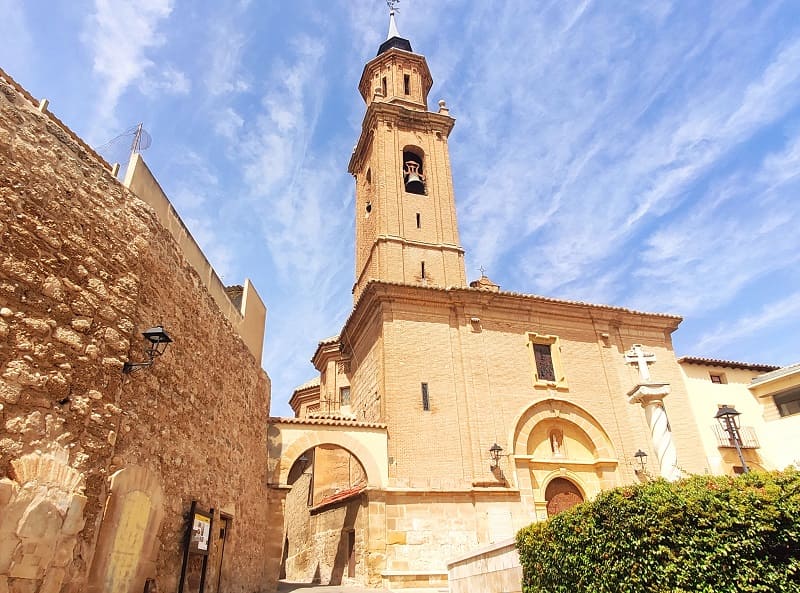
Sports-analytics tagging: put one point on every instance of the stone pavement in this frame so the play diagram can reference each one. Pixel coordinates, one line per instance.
(285, 587)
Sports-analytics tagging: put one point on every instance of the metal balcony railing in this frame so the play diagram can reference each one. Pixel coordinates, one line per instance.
(746, 433)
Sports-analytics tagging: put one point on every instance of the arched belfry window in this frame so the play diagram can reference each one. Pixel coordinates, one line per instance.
(413, 173)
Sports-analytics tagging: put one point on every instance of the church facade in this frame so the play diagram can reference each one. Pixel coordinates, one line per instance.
(498, 408)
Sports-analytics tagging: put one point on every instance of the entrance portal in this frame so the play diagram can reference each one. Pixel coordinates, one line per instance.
(561, 494)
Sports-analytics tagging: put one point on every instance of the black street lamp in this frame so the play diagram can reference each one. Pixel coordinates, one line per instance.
(159, 340)
(728, 417)
(495, 451)
(641, 457)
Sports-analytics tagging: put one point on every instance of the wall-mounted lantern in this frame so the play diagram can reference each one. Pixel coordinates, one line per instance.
(728, 418)
(495, 451)
(159, 340)
(641, 457)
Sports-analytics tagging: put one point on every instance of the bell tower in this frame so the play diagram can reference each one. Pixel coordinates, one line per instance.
(406, 228)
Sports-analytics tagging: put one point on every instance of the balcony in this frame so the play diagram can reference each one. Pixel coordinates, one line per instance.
(747, 434)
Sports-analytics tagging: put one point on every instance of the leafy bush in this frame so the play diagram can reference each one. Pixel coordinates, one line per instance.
(711, 534)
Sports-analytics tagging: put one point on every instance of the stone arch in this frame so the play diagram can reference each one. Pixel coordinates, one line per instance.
(377, 476)
(564, 411)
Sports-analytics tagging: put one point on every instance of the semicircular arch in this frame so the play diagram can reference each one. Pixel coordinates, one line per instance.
(351, 444)
(564, 411)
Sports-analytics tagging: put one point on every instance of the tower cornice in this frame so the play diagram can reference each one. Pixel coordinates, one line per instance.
(422, 121)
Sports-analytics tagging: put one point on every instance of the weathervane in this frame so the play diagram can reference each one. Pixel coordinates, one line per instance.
(392, 4)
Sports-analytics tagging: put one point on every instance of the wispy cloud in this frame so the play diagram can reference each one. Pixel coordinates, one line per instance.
(119, 34)
(169, 81)
(224, 74)
(18, 44)
(771, 315)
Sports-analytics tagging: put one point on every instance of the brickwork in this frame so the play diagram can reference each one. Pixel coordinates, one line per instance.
(450, 370)
(85, 266)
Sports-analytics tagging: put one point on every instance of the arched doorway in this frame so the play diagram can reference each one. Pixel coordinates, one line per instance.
(561, 494)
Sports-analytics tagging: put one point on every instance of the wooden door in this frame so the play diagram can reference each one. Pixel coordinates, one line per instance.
(561, 494)
(221, 534)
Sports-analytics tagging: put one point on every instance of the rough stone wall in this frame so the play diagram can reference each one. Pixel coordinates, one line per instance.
(84, 268)
(335, 470)
(317, 542)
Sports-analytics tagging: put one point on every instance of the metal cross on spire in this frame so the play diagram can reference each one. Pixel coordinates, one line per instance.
(393, 32)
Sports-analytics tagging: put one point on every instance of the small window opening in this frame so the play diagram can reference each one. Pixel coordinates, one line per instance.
(344, 396)
(413, 175)
(788, 402)
(422, 270)
(544, 362)
(369, 176)
(426, 401)
(719, 378)
(368, 207)
(407, 84)
(383, 86)
(419, 222)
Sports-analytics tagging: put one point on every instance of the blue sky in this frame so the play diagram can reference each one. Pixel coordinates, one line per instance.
(639, 153)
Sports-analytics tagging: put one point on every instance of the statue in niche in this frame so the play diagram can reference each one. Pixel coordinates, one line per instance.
(557, 443)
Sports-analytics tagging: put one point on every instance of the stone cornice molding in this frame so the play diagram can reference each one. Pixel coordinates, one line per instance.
(406, 243)
(421, 121)
(645, 393)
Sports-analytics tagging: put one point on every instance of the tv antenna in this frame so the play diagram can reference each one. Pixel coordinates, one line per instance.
(139, 140)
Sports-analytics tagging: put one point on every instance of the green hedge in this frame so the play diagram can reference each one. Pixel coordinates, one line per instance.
(710, 534)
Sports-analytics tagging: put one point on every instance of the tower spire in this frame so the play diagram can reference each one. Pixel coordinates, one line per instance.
(393, 32)
(393, 38)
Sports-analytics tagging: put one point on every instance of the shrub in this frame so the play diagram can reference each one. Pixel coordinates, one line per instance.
(713, 534)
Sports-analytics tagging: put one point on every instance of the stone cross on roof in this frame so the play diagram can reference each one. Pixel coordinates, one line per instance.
(636, 355)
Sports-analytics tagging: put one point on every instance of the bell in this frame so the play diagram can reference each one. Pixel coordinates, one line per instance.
(413, 179)
(414, 184)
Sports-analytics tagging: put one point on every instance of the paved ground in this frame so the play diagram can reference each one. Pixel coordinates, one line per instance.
(284, 587)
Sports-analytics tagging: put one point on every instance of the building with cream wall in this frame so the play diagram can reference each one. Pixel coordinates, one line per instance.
(768, 399)
(442, 370)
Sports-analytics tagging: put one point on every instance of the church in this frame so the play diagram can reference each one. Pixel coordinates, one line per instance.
(137, 450)
(480, 410)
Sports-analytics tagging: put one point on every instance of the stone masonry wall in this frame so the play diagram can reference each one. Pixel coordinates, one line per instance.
(318, 542)
(84, 268)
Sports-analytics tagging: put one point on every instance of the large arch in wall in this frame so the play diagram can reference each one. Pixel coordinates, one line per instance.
(587, 458)
(565, 411)
(289, 438)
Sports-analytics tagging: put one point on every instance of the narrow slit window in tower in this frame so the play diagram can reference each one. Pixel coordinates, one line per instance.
(419, 222)
(407, 84)
(426, 402)
(383, 85)
(422, 270)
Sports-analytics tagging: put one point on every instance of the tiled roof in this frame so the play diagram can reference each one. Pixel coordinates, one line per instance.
(777, 373)
(731, 364)
(523, 295)
(308, 384)
(324, 422)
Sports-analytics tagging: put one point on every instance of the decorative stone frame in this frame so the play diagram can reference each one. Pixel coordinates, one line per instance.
(555, 353)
